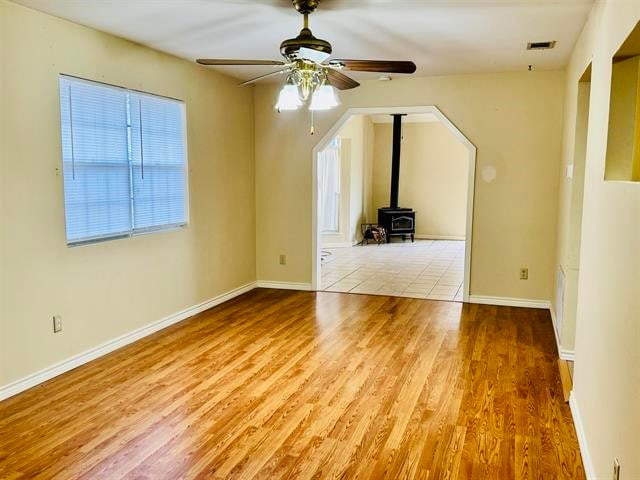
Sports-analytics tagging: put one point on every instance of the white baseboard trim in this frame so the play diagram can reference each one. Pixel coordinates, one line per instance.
(48, 373)
(510, 302)
(568, 355)
(284, 285)
(563, 353)
(421, 236)
(582, 438)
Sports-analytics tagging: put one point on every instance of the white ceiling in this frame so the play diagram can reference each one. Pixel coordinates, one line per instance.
(440, 36)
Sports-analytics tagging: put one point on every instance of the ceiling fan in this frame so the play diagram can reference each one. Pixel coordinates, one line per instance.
(310, 73)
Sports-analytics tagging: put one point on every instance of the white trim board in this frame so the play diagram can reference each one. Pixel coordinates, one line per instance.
(589, 471)
(283, 285)
(510, 302)
(75, 361)
(563, 353)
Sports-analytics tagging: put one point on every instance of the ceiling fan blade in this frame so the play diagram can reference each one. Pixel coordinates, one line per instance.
(222, 61)
(381, 66)
(340, 80)
(277, 72)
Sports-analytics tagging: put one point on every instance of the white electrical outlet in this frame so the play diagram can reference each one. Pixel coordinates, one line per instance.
(524, 273)
(57, 323)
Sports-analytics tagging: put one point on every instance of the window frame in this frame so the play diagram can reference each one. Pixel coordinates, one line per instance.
(133, 232)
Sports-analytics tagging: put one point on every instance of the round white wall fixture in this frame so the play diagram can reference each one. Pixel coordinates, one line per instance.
(489, 173)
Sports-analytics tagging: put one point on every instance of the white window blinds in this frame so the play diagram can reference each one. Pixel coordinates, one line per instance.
(124, 160)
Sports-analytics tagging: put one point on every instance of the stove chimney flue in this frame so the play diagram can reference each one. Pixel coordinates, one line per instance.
(395, 220)
(395, 159)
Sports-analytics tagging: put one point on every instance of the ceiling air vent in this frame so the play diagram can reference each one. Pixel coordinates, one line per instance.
(541, 45)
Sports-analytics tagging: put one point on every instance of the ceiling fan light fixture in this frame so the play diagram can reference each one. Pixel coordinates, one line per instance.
(288, 98)
(324, 98)
(312, 76)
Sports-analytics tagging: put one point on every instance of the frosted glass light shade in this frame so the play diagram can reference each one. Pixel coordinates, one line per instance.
(288, 98)
(324, 98)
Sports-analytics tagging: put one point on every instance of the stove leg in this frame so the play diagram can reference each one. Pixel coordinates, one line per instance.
(412, 238)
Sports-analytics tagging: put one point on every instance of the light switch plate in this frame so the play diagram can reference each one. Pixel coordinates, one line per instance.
(570, 171)
(57, 323)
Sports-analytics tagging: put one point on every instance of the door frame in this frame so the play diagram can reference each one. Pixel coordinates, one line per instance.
(333, 131)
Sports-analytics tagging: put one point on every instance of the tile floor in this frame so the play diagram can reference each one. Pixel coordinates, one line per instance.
(432, 269)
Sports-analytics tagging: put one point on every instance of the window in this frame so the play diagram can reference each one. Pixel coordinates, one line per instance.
(124, 161)
(329, 173)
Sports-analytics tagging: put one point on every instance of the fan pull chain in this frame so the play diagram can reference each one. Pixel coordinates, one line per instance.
(312, 130)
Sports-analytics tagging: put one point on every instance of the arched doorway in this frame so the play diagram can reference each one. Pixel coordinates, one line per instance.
(369, 111)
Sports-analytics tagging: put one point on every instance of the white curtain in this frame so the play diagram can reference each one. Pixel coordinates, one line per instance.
(329, 174)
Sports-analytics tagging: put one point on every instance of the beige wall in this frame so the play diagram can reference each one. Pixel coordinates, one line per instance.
(607, 358)
(109, 289)
(514, 120)
(624, 119)
(361, 159)
(354, 131)
(434, 171)
(370, 212)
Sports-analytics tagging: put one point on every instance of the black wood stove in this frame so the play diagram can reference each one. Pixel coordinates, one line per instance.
(397, 221)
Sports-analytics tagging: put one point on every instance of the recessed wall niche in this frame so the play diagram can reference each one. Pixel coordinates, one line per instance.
(623, 145)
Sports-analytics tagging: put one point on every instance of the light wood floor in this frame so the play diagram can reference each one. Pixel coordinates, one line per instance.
(278, 384)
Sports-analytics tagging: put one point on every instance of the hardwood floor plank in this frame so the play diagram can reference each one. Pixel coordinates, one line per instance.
(281, 384)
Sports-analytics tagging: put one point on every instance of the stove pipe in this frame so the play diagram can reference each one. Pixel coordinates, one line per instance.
(395, 159)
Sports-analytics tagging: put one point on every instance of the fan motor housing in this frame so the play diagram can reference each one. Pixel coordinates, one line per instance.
(289, 48)
(305, 6)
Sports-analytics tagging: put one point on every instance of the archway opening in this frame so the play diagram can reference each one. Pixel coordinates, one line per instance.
(423, 249)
